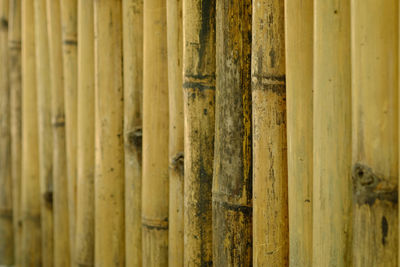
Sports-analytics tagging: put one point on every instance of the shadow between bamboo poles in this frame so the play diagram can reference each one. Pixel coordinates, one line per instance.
(109, 146)
(14, 51)
(62, 254)
(199, 93)
(84, 243)
(155, 135)
(299, 86)
(133, 87)
(270, 207)
(375, 44)
(31, 254)
(332, 134)
(232, 180)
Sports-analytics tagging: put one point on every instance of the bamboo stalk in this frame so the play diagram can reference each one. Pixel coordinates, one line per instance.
(199, 91)
(375, 32)
(299, 86)
(133, 87)
(176, 158)
(155, 135)
(84, 243)
(30, 185)
(6, 219)
(270, 207)
(232, 181)
(61, 227)
(332, 135)
(109, 157)
(14, 50)
(45, 132)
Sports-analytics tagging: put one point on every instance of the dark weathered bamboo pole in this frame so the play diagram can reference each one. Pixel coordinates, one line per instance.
(232, 180)
(30, 185)
(14, 50)
(375, 44)
(84, 243)
(155, 135)
(176, 162)
(332, 134)
(270, 207)
(109, 145)
(299, 86)
(61, 224)
(133, 87)
(199, 92)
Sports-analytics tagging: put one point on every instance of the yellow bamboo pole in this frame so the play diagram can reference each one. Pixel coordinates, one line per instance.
(155, 135)
(332, 134)
(232, 181)
(375, 32)
(176, 161)
(84, 243)
(61, 227)
(14, 50)
(270, 207)
(299, 86)
(109, 157)
(133, 87)
(199, 92)
(30, 185)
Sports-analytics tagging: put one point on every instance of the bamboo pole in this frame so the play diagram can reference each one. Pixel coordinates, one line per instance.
(332, 134)
(232, 181)
(199, 91)
(133, 87)
(270, 207)
(299, 86)
(14, 50)
(176, 158)
(84, 243)
(155, 135)
(375, 32)
(45, 132)
(109, 157)
(61, 227)
(30, 185)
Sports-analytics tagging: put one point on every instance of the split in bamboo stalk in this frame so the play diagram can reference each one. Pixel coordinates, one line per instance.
(375, 44)
(155, 135)
(133, 86)
(14, 50)
(199, 91)
(299, 86)
(109, 146)
(176, 161)
(232, 182)
(84, 243)
(332, 134)
(61, 226)
(30, 185)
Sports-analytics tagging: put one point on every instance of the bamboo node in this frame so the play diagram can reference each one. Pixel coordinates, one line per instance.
(177, 163)
(134, 138)
(4, 23)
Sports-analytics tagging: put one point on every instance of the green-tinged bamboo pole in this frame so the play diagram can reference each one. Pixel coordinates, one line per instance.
(14, 50)
(84, 243)
(374, 51)
(61, 224)
(45, 131)
(232, 181)
(176, 161)
(199, 92)
(299, 86)
(30, 184)
(109, 145)
(155, 135)
(133, 87)
(270, 207)
(332, 134)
